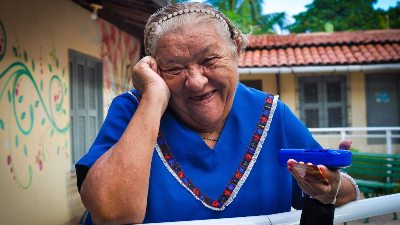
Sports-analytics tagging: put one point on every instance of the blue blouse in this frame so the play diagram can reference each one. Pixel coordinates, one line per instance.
(239, 177)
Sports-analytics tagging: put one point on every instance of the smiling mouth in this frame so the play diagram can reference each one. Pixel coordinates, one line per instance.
(203, 97)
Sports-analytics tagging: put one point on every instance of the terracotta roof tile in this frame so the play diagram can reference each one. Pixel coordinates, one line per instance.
(299, 56)
(264, 58)
(340, 55)
(331, 55)
(366, 53)
(315, 55)
(382, 51)
(338, 48)
(349, 55)
(358, 54)
(324, 56)
(394, 55)
(336, 38)
(282, 57)
(396, 47)
(374, 52)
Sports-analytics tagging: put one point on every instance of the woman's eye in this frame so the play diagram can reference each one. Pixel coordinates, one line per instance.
(174, 71)
(210, 61)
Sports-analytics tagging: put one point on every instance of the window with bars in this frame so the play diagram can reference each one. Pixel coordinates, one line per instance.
(86, 102)
(323, 101)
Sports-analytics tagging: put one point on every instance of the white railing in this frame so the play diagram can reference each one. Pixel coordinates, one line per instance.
(342, 133)
(352, 211)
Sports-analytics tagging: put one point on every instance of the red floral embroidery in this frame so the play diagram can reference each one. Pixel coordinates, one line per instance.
(248, 156)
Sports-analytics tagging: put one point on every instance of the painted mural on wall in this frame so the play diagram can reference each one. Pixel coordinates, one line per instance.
(33, 115)
(119, 52)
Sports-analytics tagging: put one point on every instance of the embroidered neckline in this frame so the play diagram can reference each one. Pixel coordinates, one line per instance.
(241, 173)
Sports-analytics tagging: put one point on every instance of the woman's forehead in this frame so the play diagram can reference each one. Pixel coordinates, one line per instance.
(198, 41)
(190, 30)
(176, 55)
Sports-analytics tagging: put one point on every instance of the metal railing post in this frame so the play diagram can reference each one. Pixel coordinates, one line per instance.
(388, 142)
(342, 134)
(388, 151)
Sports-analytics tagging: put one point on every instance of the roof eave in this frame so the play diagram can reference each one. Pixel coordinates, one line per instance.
(319, 69)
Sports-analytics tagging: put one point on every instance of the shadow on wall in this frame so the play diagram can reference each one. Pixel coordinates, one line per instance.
(74, 201)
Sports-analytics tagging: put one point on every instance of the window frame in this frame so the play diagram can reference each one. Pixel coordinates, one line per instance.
(322, 104)
(81, 140)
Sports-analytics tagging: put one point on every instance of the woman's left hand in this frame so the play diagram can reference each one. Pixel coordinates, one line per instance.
(310, 185)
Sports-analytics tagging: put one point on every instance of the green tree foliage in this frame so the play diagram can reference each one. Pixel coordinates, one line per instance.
(248, 13)
(343, 14)
(391, 16)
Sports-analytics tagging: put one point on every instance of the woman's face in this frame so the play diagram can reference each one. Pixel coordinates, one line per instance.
(200, 69)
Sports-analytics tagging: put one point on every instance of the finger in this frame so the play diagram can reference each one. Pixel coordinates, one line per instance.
(291, 169)
(313, 179)
(316, 186)
(299, 177)
(329, 174)
(153, 65)
(148, 62)
(300, 180)
(318, 173)
(345, 144)
(306, 185)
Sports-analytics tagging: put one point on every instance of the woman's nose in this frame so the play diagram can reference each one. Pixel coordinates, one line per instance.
(195, 79)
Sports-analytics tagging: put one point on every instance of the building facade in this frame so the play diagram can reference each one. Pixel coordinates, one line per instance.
(338, 79)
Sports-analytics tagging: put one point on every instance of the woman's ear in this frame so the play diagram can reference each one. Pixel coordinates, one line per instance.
(238, 44)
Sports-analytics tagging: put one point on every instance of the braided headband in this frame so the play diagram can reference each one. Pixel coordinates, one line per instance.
(153, 28)
(180, 12)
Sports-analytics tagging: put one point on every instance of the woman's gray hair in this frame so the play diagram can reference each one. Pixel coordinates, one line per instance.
(175, 17)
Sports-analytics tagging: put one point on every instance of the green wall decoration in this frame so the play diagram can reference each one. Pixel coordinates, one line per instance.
(23, 119)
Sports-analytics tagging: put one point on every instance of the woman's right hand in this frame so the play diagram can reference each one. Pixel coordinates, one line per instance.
(147, 80)
(108, 191)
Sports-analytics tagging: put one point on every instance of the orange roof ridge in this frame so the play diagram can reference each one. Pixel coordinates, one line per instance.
(271, 41)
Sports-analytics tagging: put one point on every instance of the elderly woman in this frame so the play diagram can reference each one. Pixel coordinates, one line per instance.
(191, 142)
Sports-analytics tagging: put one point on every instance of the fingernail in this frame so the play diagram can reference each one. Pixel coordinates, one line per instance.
(290, 164)
(307, 181)
(290, 169)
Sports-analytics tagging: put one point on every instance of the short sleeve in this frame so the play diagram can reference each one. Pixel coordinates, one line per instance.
(118, 117)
